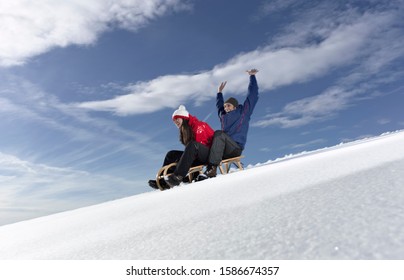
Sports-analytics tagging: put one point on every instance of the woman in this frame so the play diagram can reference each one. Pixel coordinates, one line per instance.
(197, 137)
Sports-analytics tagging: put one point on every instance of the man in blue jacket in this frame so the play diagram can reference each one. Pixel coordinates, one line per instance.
(234, 118)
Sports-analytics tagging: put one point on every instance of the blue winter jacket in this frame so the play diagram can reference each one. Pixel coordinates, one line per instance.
(236, 123)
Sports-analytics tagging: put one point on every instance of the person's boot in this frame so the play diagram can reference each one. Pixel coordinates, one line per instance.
(153, 184)
(211, 171)
(163, 184)
(173, 180)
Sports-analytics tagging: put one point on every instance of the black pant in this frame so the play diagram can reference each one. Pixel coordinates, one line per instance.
(223, 147)
(194, 154)
(171, 157)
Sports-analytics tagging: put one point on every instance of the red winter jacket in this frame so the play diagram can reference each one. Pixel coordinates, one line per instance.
(202, 131)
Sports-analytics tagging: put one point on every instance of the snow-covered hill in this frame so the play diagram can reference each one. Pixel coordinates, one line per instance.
(344, 202)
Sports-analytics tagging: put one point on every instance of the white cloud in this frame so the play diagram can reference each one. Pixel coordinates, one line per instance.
(369, 58)
(29, 28)
(162, 92)
(349, 43)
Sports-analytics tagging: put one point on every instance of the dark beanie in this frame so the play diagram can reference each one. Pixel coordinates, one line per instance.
(233, 101)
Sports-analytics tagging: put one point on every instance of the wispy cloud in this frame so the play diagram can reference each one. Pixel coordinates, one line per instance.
(75, 174)
(307, 110)
(383, 121)
(24, 103)
(31, 190)
(270, 7)
(357, 41)
(369, 68)
(307, 144)
(72, 144)
(29, 28)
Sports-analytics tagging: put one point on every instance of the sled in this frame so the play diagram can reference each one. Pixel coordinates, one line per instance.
(194, 171)
(225, 164)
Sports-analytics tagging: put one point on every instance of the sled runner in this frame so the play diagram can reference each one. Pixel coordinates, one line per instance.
(194, 171)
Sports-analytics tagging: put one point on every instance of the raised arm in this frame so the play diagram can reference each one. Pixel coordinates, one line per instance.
(252, 96)
(220, 100)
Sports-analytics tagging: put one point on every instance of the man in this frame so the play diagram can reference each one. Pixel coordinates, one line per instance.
(234, 118)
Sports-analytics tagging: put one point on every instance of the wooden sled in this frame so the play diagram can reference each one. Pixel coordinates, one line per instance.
(194, 171)
(225, 164)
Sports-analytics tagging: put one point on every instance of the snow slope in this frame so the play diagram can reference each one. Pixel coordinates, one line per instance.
(344, 202)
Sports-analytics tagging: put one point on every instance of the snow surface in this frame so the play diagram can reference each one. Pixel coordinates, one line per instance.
(344, 202)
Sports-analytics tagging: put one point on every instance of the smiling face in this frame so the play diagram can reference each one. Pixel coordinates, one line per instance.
(228, 107)
(178, 122)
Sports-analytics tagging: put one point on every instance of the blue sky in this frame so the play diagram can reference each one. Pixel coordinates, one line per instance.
(87, 88)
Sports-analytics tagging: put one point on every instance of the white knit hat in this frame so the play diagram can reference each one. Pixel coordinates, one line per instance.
(181, 112)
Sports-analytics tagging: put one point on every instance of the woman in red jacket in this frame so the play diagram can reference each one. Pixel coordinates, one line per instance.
(197, 137)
